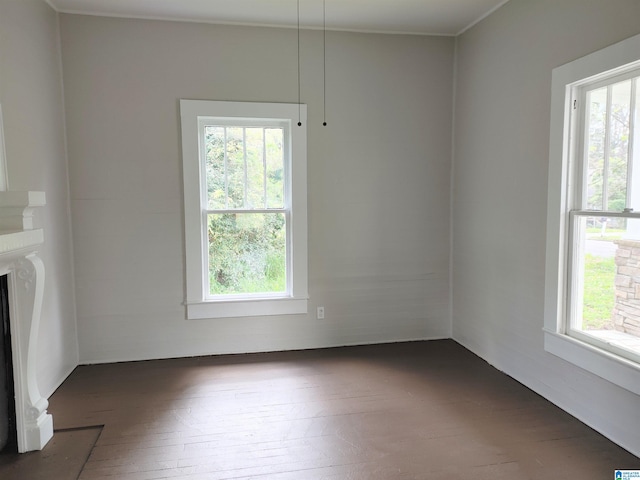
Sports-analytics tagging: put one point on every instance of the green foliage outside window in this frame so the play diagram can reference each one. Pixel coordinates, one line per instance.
(599, 292)
(247, 253)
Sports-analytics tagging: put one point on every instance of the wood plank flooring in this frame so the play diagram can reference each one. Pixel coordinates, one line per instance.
(420, 410)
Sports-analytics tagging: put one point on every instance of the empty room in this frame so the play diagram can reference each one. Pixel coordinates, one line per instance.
(319, 239)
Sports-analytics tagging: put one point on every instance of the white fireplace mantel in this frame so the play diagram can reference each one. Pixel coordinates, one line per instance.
(19, 244)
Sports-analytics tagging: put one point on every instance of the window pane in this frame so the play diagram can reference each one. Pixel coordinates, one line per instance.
(596, 133)
(634, 138)
(608, 140)
(607, 280)
(618, 146)
(255, 168)
(275, 167)
(244, 167)
(235, 167)
(247, 253)
(214, 167)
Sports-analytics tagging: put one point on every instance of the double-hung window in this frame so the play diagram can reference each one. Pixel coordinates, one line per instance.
(244, 167)
(592, 315)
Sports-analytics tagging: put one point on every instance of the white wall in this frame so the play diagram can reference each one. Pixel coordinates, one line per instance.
(378, 181)
(31, 98)
(503, 91)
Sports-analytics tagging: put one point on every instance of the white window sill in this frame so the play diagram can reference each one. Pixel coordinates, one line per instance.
(246, 308)
(611, 367)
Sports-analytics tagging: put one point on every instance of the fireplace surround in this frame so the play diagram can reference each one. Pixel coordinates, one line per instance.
(19, 260)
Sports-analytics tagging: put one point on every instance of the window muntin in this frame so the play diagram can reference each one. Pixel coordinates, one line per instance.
(603, 297)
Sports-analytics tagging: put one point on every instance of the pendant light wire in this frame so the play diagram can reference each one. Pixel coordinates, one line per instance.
(299, 98)
(324, 62)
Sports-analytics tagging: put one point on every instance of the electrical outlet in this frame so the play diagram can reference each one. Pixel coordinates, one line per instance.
(320, 313)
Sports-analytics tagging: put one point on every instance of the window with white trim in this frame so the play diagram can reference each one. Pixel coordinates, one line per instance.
(592, 301)
(244, 168)
(604, 227)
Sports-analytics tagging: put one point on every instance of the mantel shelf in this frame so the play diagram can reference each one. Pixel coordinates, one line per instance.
(16, 210)
(16, 241)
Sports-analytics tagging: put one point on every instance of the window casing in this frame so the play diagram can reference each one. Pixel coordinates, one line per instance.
(594, 187)
(244, 169)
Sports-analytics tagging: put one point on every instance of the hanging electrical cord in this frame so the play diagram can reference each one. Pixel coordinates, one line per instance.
(324, 62)
(324, 65)
(299, 98)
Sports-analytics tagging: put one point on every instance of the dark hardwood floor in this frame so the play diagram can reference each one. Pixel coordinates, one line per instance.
(423, 410)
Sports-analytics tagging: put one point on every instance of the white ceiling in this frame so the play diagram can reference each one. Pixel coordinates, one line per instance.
(429, 17)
